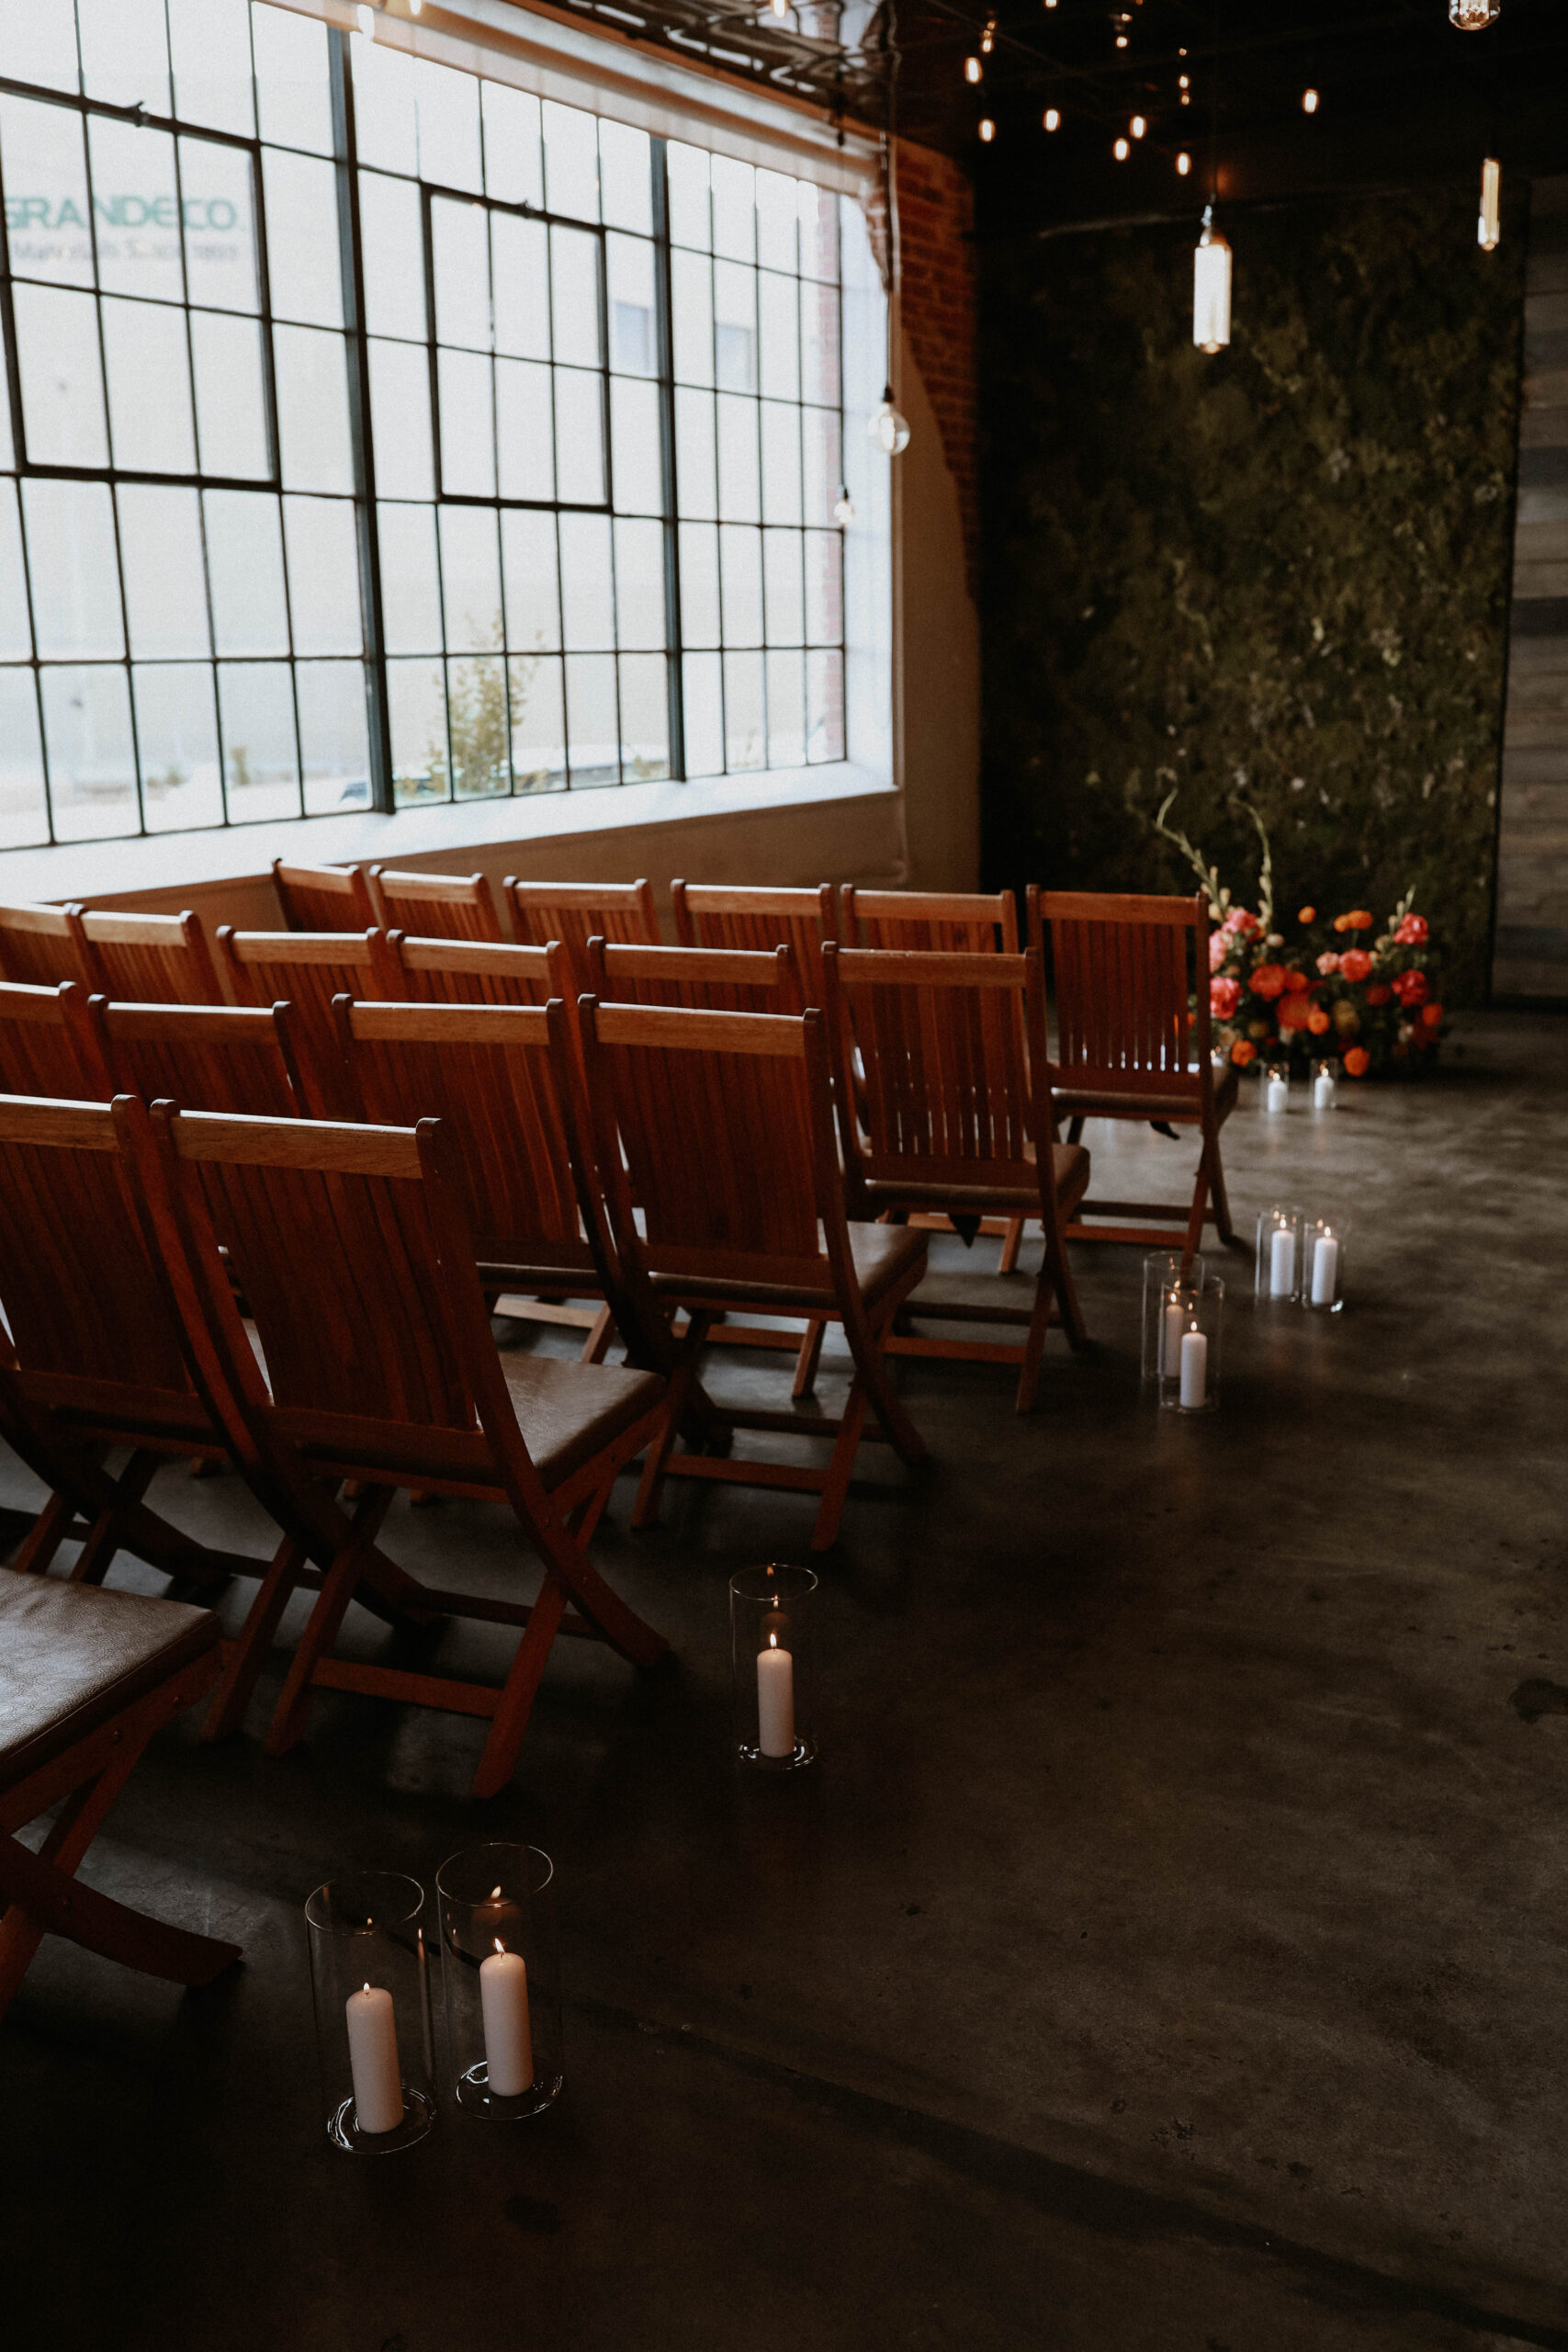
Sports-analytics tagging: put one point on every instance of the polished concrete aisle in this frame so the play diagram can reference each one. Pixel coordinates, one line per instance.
(1169, 1951)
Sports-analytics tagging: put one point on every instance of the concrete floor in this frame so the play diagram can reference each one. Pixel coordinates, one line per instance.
(1168, 1951)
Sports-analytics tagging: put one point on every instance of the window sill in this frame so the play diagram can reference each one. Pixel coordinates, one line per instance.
(97, 870)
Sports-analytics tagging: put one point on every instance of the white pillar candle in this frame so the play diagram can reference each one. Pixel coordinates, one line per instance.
(1325, 1270)
(1278, 1094)
(1170, 1361)
(1194, 1371)
(1323, 1090)
(775, 1700)
(1281, 1263)
(508, 2040)
(373, 2060)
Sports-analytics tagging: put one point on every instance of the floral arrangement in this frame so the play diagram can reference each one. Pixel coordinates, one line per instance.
(1328, 991)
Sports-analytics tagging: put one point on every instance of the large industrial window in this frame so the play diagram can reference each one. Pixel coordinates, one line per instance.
(377, 433)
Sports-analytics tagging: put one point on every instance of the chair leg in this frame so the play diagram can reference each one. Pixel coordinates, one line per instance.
(836, 1486)
(1034, 1343)
(238, 1680)
(808, 1358)
(871, 1365)
(515, 1704)
(103, 1538)
(1012, 1241)
(1075, 1130)
(1223, 1225)
(645, 1509)
(293, 1710)
(44, 1537)
(1194, 1240)
(596, 1345)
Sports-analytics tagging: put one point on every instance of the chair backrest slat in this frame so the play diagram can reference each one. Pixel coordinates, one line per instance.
(323, 898)
(933, 922)
(306, 969)
(205, 1058)
(575, 912)
(436, 906)
(147, 959)
(424, 969)
(942, 1041)
(46, 1044)
(701, 980)
(39, 947)
(1130, 979)
(715, 915)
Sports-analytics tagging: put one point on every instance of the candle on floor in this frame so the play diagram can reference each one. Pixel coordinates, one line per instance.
(775, 1700)
(1325, 1270)
(1281, 1263)
(1194, 1371)
(1278, 1094)
(1323, 1090)
(1170, 1359)
(508, 2041)
(373, 2060)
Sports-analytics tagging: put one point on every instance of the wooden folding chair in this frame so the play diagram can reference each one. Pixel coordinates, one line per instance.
(86, 1679)
(42, 1050)
(351, 1246)
(436, 906)
(1131, 978)
(946, 922)
(575, 912)
(957, 1112)
(39, 947)
(710, 915)
(205, 1058)
(323, 898)
(147, 959)
(306, 969)
(90, 1356)
(719, 1127)
(460, 971)
(489, 1073)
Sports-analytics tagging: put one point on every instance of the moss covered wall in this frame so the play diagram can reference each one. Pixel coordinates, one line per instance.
(1285, 567)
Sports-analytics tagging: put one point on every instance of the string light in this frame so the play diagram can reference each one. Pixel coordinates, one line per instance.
(1120, 151)
(1053, 120)
(1487, 231)
(843, 507)
(973, 68)
(988, 38)
(1309, 102)
(1183, 165)
(988, 130)
(1474, 16)
(1137, 126)
(1184, 83)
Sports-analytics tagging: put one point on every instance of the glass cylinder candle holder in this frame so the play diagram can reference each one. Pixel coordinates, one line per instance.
(1193, 1386)
(501, 1980)
(1325, 1084)
(1162, 1270)
(1275, 1088)
(370, 1967)
(1278, 1266)
(1323, 1268)
(770, 1626)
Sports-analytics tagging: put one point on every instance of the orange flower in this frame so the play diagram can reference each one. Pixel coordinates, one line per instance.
(1307, 914)
(1267, 980)
(1357, 1062)
(1317, 1020)
(1243, 1052)
(1431, 1015)
(1295, 1011)
(1341, 922)
(1294, 980)
(1360, 920)
(1380, 991)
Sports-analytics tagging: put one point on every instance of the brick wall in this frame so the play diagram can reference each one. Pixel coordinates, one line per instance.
(936, 212)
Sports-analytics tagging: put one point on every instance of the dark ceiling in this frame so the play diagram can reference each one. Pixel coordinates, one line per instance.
(1403, 97)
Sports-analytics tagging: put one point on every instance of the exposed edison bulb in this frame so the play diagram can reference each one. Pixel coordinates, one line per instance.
(973, 68)
(1120, 151)
(843, 507)
(1137, 126)
(1474, 16)
(988, 38)
(889, 429)
(1211, 287)
(1183, 163)
(988, 130)
(1184, 80)
(1487, 231)
(779, 7)
(1120, 40)
(1309, 102)
(1053, 120)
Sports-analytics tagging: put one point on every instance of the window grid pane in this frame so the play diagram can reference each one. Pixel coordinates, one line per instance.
(605, 452)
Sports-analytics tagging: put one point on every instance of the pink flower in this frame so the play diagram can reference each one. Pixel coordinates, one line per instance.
(1219, 948)
(1326, 964)
(1244, 925)
(1223, 998)
(1412, 931)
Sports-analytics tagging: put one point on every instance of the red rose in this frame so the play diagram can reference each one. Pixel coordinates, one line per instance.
(1267, 980)
(1294, 980)
(1223, 998)
(1432, 1015)
(1295, 1011)
(1356, 963)
(1412, 931)
(1379, 993)
(1411, 988)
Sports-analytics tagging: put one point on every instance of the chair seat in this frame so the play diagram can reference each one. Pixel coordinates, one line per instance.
(881, 1256)
(73, 1655)
(569, 1412)
(1074, 1103)
(1069, 1164)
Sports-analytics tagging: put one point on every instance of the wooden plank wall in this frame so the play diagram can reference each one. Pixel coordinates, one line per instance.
(1531, 949)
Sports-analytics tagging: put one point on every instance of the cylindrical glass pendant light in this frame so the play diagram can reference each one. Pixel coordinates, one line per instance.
(1474, 16)
(1211, 287)
(1486, 229)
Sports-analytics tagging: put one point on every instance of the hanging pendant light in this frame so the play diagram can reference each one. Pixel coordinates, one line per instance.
(888, 428)
(1211, 287)
(1487, 231)
(1474, 16)
(843, 507)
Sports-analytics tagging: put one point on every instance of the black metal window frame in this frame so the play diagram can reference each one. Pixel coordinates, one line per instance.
(355, 339)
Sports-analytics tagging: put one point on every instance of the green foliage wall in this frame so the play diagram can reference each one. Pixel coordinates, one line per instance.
(1284, 568)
